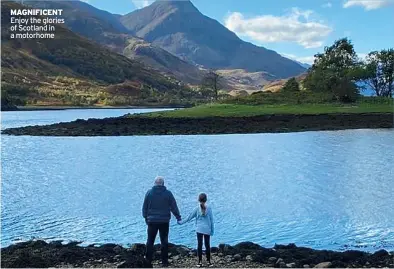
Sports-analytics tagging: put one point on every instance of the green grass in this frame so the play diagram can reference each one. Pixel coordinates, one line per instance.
(229, 110)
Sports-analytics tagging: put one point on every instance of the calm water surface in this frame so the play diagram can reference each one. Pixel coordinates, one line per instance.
(327, 190)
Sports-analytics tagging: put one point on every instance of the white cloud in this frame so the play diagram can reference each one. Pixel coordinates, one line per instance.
(295, 27)
(368, 4)
(142, 3)
(327, 5)
(306, 59)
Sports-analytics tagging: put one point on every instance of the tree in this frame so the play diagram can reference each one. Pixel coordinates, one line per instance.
(378, 72)
(387, 61)
(373, 75)
(291, 85)
(212, 81)
(335, 71)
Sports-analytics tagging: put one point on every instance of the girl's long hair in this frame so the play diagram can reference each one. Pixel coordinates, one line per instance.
(202, 198)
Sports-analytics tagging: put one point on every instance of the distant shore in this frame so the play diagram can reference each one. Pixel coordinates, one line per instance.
(38, 108)
(243, 255)
(142, 124)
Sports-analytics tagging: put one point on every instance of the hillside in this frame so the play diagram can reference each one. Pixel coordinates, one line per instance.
(178, 27)
(242, 80)
(70, 66)
(276, 85)
(105, 28)
(90, 22)
(162, 60)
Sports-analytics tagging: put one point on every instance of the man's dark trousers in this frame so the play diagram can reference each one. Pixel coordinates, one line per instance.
(163, 229)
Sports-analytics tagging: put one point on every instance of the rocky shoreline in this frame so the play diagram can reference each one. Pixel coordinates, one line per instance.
(244, 255)
(145, 125)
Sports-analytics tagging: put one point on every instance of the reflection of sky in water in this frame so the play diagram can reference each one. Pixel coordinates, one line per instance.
(319, 189)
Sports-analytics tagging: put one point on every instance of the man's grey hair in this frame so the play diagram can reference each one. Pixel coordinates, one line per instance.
(159, 181)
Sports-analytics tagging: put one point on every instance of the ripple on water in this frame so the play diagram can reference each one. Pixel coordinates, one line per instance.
(328, 190)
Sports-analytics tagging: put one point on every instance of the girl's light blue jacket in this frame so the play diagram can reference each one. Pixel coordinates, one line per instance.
(204, 223)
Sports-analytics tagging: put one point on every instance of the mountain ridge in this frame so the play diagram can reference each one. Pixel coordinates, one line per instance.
(180, 28)
(105, 29)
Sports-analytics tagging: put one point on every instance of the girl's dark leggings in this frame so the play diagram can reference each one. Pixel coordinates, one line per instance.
(207, 246)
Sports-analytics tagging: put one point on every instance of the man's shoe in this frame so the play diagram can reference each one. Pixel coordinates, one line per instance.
(199, 265)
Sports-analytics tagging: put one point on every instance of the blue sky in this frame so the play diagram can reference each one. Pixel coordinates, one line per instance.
(297, 29)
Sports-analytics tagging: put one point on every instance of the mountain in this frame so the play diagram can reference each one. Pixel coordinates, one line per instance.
(90, 22)
(162, 60)
(241, 80)
(106, 29)
(70, 65)
(180, 28)
(305, 65)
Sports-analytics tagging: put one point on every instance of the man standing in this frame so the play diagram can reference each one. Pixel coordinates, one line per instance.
(158, 205)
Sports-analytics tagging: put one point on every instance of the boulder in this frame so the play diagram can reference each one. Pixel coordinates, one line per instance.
(214, 249)
(289, 246)
(229, 258)
(180, 250)
(237, 257)
(225, 248)
(118, 249)
(138, 248)
(279, 261)
(247, 246)
(323, 265)
(282, 265)
(291, 265)
(380, 254)
(273, 259)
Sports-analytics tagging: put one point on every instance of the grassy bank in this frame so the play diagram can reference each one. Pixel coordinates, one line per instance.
(228, 119)
(233, 110)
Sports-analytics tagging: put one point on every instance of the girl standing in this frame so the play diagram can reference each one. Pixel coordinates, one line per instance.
(204, 227)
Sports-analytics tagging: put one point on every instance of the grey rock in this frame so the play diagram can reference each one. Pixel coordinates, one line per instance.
(323, 265)
(306, 266)
(182, 250)
(291, 265)
(123, 264)
(118, 249)
(278, 261)
(138, 247)
(117, 257)
(220, 254)
(272, 259)
(249, 258)
(282, 265)
(237, 257)
(175, 258)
